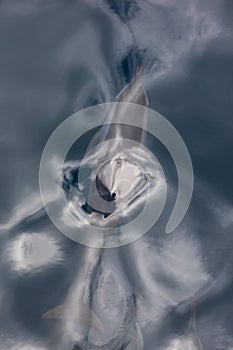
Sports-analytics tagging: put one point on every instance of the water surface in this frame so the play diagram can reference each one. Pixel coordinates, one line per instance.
(58, 57)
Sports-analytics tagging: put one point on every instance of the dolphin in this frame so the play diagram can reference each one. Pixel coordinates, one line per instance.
(191, 334)
(190, 340)
(109, 185)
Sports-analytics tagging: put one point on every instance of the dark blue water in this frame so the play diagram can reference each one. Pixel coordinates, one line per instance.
(58, 57)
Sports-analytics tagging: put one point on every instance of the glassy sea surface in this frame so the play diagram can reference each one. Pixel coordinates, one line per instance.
(164, 291)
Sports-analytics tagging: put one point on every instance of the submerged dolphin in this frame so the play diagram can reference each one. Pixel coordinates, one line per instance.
(190, 340)
(191, 333)
(109, 185)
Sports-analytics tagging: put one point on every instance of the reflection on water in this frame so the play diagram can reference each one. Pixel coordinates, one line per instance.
(58, 57)
(31, 251)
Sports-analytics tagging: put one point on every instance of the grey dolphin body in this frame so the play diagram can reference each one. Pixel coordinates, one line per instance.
(108, 179)
(133, 93)
(76, 308)
(190, 340)
(191, 333)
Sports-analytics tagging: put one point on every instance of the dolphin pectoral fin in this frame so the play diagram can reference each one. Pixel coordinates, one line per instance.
(84, 315)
